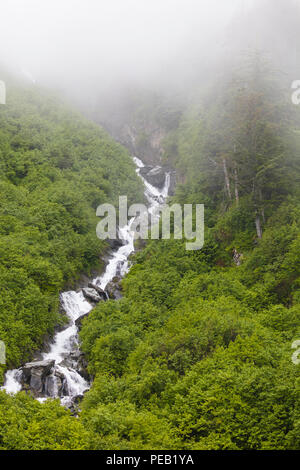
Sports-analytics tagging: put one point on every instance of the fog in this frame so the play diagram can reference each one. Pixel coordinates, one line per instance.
(73, 42)
(83, 47)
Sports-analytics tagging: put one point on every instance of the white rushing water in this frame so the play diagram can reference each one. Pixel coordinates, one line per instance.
(65, 345)
(12, 381)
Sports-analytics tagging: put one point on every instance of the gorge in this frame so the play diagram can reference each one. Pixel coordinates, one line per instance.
(61, 372)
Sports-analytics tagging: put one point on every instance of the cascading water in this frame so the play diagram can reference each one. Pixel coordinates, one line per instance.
(64, 380)
(12, 381)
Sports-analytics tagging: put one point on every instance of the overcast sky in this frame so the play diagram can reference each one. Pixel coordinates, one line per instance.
(60, 39)
(95, 47)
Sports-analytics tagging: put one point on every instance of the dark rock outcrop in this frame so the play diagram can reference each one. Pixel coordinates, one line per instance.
(144, 139)
(35, 373)
(115, 243)
(99, 291)
(172, 183)
(78, 321)
(114, 289)
(91, 295)
(82, 366)
(55, 385)
(155, 176)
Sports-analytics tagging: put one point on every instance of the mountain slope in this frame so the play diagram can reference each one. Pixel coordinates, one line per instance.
(197, 355)
(55, 169)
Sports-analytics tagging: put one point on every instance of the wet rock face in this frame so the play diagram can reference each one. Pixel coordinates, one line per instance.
(55, 385)
(45, 380)
(114, 288)
(83, 367)
(78, 322)
(35, 373)
(155, 176)
(150, 149)
(99, 291)
(91, 294)
(116, 243)
(172, 183)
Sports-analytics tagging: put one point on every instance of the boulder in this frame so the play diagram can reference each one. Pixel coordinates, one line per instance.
(39, 367)
(91, 295)
(98, 289)
(54, 385)
(114, 288)
(34, 374)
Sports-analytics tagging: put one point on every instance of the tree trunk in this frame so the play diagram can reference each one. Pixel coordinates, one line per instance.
(258, 226)
(262, 210)
(236, 185)
(227, 182)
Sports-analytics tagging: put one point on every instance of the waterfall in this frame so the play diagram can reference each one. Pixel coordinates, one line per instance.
(65, 381)
(12, 381)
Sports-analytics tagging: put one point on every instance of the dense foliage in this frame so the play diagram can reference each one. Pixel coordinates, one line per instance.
(55, 169)
(197, 354)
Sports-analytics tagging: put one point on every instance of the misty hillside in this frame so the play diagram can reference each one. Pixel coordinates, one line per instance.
(199, 346)
(136, 343)
(56, 168)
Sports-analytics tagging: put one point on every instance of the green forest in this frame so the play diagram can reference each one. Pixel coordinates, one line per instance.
(197, 354)
(56, 167)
